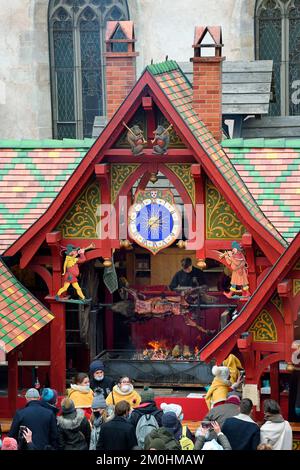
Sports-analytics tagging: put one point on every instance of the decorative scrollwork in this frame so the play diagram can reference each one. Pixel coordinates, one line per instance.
(264, 328)
(183, 173)
(296, 287)
(81, 221)
(118, 175)
(221, 221)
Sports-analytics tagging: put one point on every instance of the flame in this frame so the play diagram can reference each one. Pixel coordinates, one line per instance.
(157, 345)
(196, 350)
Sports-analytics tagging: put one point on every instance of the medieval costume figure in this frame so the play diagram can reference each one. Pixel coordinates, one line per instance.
(161, 140)
(235, 367)
(238, 265)
(220, 386)
(136, 139)
(71, 270)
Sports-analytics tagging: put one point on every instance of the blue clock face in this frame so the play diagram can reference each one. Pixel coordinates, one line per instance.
(154, 224)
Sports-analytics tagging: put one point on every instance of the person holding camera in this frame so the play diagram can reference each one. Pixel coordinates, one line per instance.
(39, 420)
(210, 437)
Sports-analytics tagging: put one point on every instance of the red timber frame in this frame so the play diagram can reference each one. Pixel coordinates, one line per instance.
(97, 163)
(258, 356)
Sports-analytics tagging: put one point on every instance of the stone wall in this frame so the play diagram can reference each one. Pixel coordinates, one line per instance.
(163, 27)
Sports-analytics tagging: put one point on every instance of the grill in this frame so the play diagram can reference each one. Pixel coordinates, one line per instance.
(168, 372)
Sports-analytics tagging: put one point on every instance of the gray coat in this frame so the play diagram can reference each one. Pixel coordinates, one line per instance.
(221, 412)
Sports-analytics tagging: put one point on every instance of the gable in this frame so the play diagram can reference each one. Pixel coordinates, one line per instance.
(172, 93)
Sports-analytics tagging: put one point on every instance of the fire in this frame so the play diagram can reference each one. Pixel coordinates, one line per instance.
(196, 350)
(157, 345)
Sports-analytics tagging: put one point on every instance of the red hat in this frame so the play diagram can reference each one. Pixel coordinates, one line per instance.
(234, 400)
(9, 443)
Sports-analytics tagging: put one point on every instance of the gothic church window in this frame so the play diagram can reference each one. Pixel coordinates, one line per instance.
(277, 26)
(77, 43)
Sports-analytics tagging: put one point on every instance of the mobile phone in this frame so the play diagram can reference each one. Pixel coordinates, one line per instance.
(206, 424)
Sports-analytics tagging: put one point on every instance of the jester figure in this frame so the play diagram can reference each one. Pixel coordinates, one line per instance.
(236, 261)
(71, 270)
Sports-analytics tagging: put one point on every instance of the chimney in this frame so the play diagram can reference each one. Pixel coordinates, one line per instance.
(120, 63)
(207, 77)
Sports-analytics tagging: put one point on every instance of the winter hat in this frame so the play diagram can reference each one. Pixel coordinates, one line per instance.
(157, 444)
(169, 420)
(9, 443)
(49, 395)
(147, 394)
(221, 371)
(166, 407)
(67, 406)
(32, 393)
(99, 402)
(96, 365)
(234, 400)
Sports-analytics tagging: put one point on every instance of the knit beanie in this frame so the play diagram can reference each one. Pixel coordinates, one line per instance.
(9, 443)
(166, 407)
(147, 394)
(169, 420)
(157, 444)
(49, 395)
(67, 406)
(99, 402)
(96, 365)
(234, 400)
(32, 393)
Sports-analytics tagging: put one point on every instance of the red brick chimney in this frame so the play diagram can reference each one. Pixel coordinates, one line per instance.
(207, 81)
(120, 63)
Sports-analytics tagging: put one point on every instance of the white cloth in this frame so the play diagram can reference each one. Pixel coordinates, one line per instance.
(278, 435)
(243, 417)
(212, 445)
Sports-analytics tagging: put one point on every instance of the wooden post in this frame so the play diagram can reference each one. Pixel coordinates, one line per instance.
(274, 381)
(109, 323)
(12, 381)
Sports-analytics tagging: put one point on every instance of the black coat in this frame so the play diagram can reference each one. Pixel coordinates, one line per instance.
(104, 386)
(242, 435)
(41, 422)
(183, 279)
(74, 433)
(117, 434)
(148, 408)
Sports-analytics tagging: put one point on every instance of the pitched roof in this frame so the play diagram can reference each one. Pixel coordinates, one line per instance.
(31, 175)
(21, 314)
(225, 340)
(273, 177)
(178, 89)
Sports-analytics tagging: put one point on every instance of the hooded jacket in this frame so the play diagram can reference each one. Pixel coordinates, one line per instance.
(147, 408)
(277, 432)
(116, 395)
(73, 432)
(169, 441)
(81, 398)
(217, 392)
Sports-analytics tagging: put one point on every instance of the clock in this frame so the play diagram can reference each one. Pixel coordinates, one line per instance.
(154, 222)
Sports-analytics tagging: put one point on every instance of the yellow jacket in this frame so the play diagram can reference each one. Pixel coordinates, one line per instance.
(218, 391)
(132, 397)
(233, 364)
(81, 399)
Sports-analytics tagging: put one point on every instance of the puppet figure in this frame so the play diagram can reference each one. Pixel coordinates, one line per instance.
(236, 262)
(74, 256)
(136, 139)
(161, 140)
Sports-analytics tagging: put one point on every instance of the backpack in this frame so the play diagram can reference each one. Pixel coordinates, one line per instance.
(145, 425)
(185, 442)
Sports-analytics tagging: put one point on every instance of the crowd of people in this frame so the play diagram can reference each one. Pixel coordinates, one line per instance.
(97, 414)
